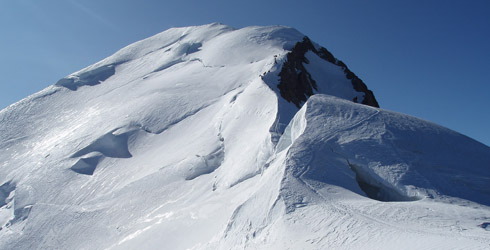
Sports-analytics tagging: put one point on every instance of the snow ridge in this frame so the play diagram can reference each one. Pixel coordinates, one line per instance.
(184, 141)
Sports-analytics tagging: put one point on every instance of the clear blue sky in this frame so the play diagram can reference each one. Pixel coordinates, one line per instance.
(426, 58)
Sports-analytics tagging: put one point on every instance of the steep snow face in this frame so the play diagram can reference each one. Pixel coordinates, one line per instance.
(394, 157)
(183, 141)
(181, 115)
(357, 177)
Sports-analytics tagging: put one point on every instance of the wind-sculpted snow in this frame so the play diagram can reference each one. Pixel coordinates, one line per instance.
(86, 165)
(183, 141)
(110, 145)
(394, 157)
(88, 78)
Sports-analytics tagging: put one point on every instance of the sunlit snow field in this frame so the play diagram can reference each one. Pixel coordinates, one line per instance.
(182, 141)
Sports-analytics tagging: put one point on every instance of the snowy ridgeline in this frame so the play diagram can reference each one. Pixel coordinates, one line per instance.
(187, 140)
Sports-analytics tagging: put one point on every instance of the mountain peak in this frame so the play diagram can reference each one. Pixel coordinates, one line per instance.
(296, 83)
(210, 137)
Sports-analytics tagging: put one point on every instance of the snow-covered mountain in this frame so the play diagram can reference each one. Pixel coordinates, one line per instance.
(210, 137)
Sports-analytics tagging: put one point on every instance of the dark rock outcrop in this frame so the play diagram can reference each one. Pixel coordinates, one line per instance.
(296, 85)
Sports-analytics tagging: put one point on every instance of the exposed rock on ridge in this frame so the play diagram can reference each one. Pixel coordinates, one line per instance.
(296, 84)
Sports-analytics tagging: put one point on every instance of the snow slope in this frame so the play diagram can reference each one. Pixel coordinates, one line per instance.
(183, 141)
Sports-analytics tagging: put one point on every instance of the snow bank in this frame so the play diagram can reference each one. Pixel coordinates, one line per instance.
(394, 156)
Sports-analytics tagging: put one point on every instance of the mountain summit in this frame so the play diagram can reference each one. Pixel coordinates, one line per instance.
(210, 137)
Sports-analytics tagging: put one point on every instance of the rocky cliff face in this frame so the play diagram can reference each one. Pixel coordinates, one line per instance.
(296, 83)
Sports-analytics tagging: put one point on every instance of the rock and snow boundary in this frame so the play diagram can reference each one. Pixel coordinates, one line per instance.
(210, 137)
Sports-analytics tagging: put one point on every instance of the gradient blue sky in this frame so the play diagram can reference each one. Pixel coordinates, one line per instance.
(425, 58)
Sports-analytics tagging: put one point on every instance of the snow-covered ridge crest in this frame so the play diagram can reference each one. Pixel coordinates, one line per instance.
(294, 129)
(184, 141)
(388, 155)
(180, 42)
(114, 131)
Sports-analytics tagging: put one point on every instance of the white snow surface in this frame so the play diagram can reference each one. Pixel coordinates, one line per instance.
(179, 141)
